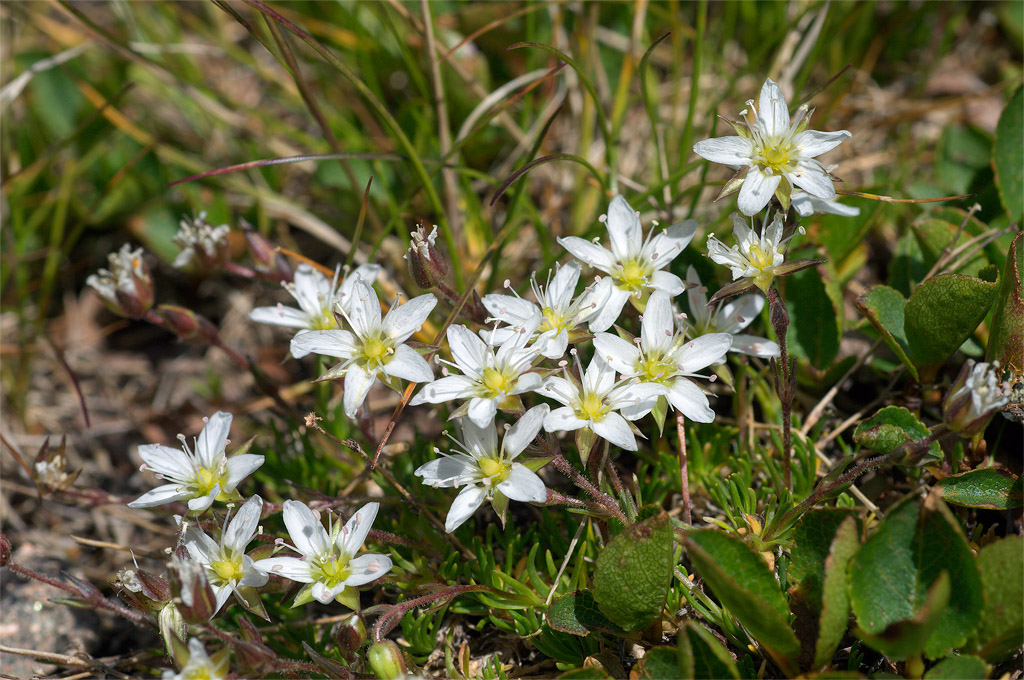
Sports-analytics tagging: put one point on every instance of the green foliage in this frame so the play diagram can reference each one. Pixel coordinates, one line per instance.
(990, 488)
(1006, 156)
(578, 614)
(1001, 629)
(965, 667)
(1006, 340)
(633, 573)
(890, 428)
(900, 583)
(816, 314)
(701, 655)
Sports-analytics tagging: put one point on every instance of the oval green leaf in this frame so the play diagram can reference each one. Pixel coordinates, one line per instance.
(988, 488)
(1006, 157)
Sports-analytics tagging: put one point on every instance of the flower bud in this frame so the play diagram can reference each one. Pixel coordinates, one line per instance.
(5, 550)
(185, 323)
(126, 288)
(385, 658)
(265, 256)
(191, 590)
(142, 590)
(427, 264)
(350, 636)
(49, 470)
(174, 631)
(973, 398)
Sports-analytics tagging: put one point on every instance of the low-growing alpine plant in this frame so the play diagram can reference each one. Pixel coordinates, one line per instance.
(832, 499)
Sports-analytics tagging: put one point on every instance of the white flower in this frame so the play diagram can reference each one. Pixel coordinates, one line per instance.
(202, 476)
(196, 235)
(329, 564)
(126, 288)
(487, 470)
(560, 315)
(755, 256)
(488, 377)
(227, 566)
(730, 318)
(318, 298)
(634, 266)
(599, 404)
(373, 346)
(973, 398)
(200, 666)
(772, 149)
(807, 205)
(664, 358)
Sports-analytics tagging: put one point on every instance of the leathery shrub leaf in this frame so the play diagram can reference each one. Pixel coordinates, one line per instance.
(942, 313)
(964, 667)
(660, 663)
(701, 655)
(835, 600)
(816, 315)
(893, 580)
(1002, 621)
(742, 581)
(884, 307)
(578, 614)
(891, 427)
(633, 573)
(988, 488)
(1006, 337)
(1006, 156)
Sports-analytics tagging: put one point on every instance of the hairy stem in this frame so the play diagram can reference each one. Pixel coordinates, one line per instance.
(684, 478)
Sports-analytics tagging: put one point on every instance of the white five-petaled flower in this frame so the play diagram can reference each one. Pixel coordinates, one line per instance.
(665, 358)
(730, 318)
(560, 315)
(329, 565)
(599, 404)
(201, 666)
(373, 346)
(486, 469)
(635, 266)
(755, 256)
(488, 377)
(318, 298)
(228, 568)
(126, 288)
(201, 475)
(773, 148)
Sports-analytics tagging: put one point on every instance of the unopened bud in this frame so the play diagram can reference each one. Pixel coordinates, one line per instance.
(185, 323)
(5, 550)
(174, 631)
(973, 398)
(265, 256)
(427, 264)
(191, 591)
(126, 288)
(142, 590)
(350, 636)
(386, 660)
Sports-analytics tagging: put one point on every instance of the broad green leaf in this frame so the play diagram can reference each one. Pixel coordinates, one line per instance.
(633, 573)
(965, 667)
(890, 428)
(812, 539)
(934, 235)
(746, 586)
(702, 656)
(990, 488)
(1006, 157)
(815, 315)
(659, 663)
(915, 547)
(942, 313)
(1002, 623)
(884, 308)
(578, 614)
(1006, 337)
(835, 610)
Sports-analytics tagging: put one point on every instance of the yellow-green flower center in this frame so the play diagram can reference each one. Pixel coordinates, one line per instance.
(331, 570)
(552, 321)
(228, 570)
(763, 262)
(326, 322)
(655, 368)
(376, 350)
(495, 469)
(206, 479)
(494, 383)
(778, 157)
(591, 407)
(633, 276)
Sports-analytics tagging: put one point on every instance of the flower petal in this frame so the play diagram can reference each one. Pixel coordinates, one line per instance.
(363, 308)
(333, 343)
(588, 253)
(614, 428)
(444, 389)
(408, 364)
(609, 312)
(624, 231)
(463, 507)
(563, 419)
(754, 346)
(814, 181)
(510, 309)
(306, 531)
(560, 291)
(212, 440)
(702, 351)
(621, 355)
(167, 462)
(199, 504)
(524, 431)
(813, 143)
(353, 534)
(482, 411)
(773, 110)
(467, 349)
(559, 389)
(366, 568)
(733, 151)
(167, 493)
(657, 330)
(696, 298)
(738, 314)
(310, 289)
(756, 191)
(664, 247)
(239, 467)
(524, 485)
(201, 548)
(288, 317)
(243, 525)
(445, 471)
(287, 567)
(668, 282)
(404, 320)
(358, 382)
(689, 400)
